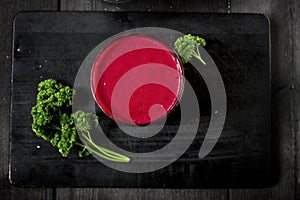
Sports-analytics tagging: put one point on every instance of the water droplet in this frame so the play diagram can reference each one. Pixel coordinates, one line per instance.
(216, 112)
(104, 83)
(38, 147)
(41, 76)
(19, 49)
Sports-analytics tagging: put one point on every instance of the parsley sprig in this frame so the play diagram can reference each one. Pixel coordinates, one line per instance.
(187, 46)
(54, 121)
(84, 122)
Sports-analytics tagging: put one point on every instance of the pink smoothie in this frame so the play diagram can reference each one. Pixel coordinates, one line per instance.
(148, 72)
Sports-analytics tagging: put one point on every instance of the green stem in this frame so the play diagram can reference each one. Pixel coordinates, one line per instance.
(88, 133)
(98, 154)
(55, 127)
(108, 152)
(198, 56)
(198, 52)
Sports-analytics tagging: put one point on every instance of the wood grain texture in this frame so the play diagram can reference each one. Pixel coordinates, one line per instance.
(284, 187)
(9, 8)
(147, 5)
(250, 6)
(282, 19)
(140, 194)
(296, 99)
(143, 5)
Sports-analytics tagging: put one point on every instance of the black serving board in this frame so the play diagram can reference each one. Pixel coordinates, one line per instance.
(54, 44)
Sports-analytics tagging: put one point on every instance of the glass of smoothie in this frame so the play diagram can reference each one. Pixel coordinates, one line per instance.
(133, 73)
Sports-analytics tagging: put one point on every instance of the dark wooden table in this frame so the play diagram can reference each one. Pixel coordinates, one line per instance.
(285, 43)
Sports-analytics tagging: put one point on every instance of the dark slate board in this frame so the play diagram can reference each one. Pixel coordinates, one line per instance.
(59, 41)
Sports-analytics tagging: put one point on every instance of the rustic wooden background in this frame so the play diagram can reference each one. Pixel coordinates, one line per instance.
(285, 92)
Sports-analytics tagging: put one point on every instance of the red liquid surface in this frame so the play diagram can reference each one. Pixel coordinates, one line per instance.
(148, 74)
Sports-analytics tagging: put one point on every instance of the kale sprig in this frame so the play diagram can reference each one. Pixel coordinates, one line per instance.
(54, 121)
(187, 46)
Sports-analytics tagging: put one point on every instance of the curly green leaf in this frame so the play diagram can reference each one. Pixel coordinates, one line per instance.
(187, 46)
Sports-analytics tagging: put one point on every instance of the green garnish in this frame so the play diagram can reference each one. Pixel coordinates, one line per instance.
(54, 122)
(188, 46)
(84, 122)
(50, 119)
